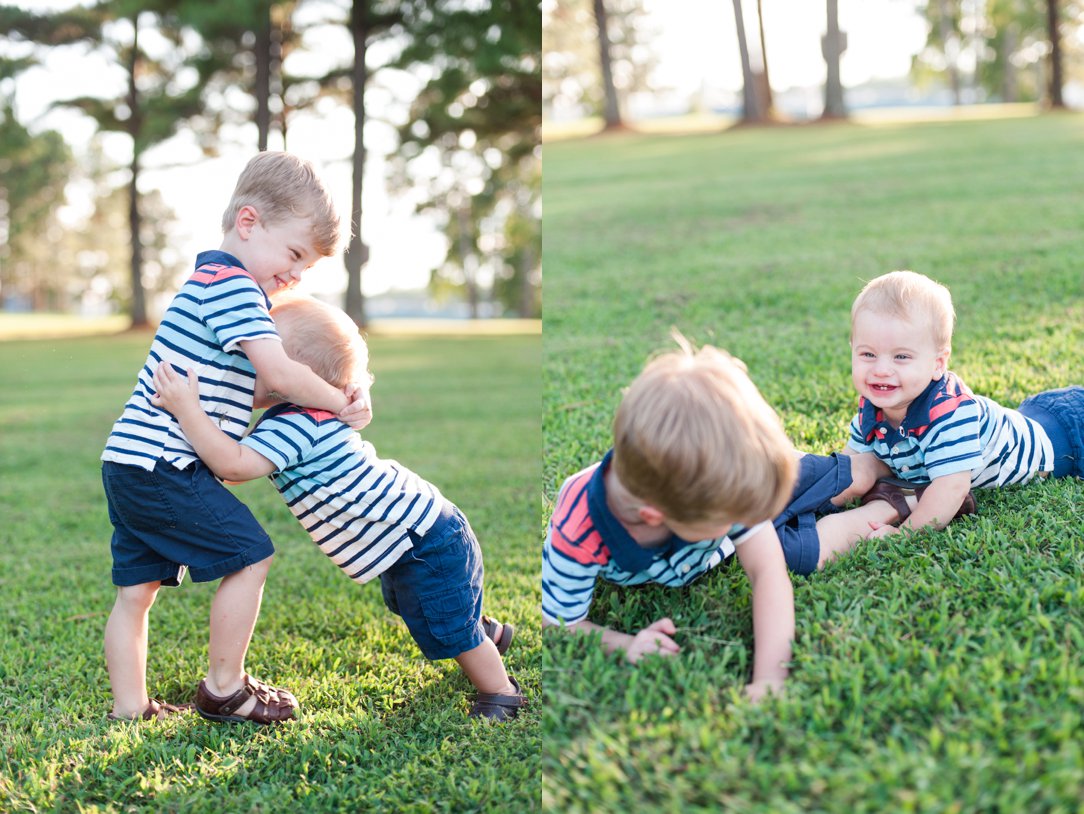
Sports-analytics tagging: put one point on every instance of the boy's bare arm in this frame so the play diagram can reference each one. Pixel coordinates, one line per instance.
(655, 638)
(225, 457)
(773, 610)
(292, 381)
(940, 502)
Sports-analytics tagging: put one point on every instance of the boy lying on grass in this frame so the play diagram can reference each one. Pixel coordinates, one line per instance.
(371, 517)
(938, 438)
(700, 464)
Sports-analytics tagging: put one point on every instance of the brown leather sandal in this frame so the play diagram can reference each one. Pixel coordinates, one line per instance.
(501, 634)
(272, 704)
(891, 494)
(155, 711)
(497, 706)
(895, 495)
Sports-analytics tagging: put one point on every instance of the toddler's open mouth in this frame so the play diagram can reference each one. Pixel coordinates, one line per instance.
(882, 388)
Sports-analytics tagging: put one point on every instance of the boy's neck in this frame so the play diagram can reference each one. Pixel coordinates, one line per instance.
(625, 506)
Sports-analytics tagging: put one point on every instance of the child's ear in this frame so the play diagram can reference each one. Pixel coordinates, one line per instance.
(942, 363)
(247, 217)
(651, 516)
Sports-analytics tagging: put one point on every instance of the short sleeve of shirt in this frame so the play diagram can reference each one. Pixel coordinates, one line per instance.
(284, 440)
(572, 556)
(235, 308)
(857, 440)
(953, 443)
(568, 580)
(739, 534)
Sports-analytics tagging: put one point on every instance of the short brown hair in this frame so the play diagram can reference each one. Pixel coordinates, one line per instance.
(910, 296)
(282, 186)
(694, 438)
(322, 337)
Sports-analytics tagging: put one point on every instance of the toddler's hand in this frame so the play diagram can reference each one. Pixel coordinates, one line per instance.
(881, 530)
(174, 391)
(757, 690)
(359, 412)
(655, 638)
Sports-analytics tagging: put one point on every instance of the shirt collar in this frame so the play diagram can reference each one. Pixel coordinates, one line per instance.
(219, 257)
(918, 412)
(626, 552)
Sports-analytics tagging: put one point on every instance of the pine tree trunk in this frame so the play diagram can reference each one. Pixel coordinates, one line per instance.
(750, 109)
(612, 113)
(1056, 100)
(357, 253)
(832, 48)
(139, 299)
(262, 89)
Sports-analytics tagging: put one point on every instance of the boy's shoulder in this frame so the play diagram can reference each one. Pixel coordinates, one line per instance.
(216, 267)
(939, 403)
(573, 531)
(301, 415)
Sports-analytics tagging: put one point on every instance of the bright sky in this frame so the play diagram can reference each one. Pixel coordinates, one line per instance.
(403, 246)
(697, 42)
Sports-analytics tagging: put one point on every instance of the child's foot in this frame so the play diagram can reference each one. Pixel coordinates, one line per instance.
(501, 634)
(271, 705)
(498, 706)
(155, 711)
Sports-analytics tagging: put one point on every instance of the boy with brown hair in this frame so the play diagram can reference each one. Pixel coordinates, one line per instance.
(700, 464)
(939, 439)
(169, 513)
(372, 517)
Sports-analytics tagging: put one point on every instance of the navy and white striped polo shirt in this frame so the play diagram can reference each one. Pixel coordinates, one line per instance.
(358, 508)
(218, 307)
(948, 429)
(585, 542)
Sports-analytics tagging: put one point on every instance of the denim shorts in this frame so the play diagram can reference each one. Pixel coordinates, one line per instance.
(1061, 414)
(436, 587)
(820, 478)
(169, 520)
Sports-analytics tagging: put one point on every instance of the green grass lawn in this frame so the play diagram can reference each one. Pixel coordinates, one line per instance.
(933, 673)
(381, 729)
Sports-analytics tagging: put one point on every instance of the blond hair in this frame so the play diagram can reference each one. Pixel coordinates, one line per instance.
(910, 296)
(280, 186)
(322, 337)
(694, 438)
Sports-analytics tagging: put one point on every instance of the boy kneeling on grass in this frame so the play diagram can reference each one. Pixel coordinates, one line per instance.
(699, 466)
(939, 439)
(371, 517)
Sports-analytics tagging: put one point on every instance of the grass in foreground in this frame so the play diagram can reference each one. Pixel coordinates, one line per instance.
(940, 672)
(381, 728)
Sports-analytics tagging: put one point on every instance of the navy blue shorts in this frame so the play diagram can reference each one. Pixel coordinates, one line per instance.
(1061, 414)
(437, 587)
(168, 520)
(820, 478)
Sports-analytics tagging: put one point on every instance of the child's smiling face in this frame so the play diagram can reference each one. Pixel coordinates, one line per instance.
(893, 360)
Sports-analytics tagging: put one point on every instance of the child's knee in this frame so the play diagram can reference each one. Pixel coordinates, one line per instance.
(263, 567)
(138, 598)
(866, 469)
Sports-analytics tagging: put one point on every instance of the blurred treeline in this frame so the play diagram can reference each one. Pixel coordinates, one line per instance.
(468, 149)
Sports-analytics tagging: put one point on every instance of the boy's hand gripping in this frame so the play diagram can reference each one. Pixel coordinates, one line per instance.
(359, 412)
(655, 638)
(175, 391)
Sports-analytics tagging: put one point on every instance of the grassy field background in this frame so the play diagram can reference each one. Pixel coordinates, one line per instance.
(381, 728)
(941, 672)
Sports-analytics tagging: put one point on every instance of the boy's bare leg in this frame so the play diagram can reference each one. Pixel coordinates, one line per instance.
(126, 648)
(485, 669)
(233, 618)
(866, 469)
(840, 532)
